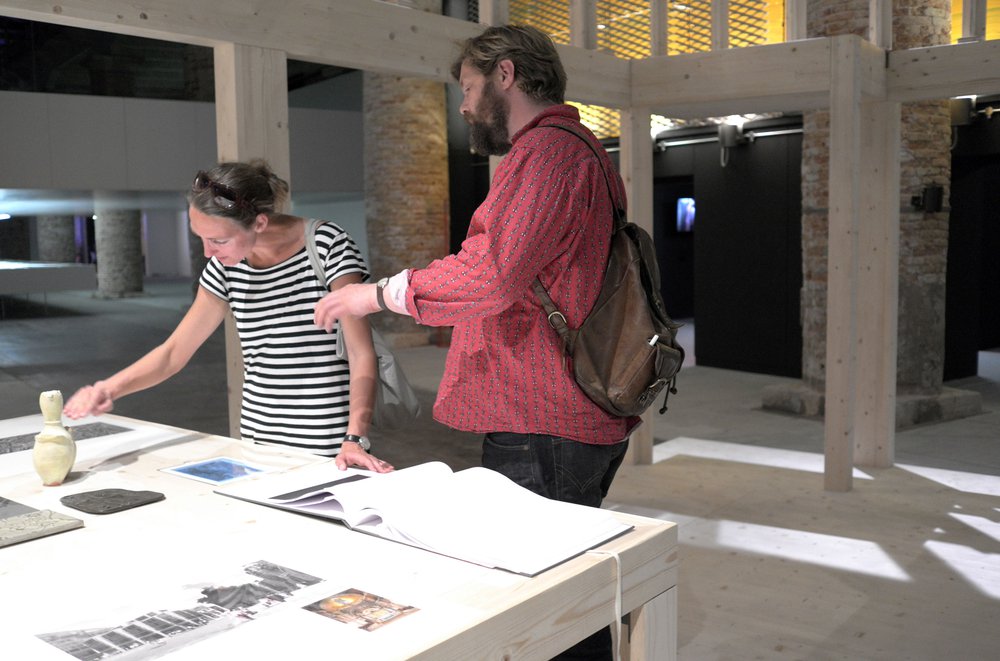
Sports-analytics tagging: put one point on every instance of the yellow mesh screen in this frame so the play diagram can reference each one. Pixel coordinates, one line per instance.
(992, 20)
(689, 26)
(549, 16)
(624, 30)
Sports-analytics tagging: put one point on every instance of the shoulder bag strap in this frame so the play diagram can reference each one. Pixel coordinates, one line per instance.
(317, 263)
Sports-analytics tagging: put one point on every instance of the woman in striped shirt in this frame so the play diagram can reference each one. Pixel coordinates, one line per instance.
(296, 391)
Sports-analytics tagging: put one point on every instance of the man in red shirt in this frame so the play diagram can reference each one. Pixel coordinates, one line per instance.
(548, 214)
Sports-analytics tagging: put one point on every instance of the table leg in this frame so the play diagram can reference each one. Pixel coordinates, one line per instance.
(652, 631)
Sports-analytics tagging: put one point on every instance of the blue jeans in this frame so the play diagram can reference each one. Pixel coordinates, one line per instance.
(561, 469)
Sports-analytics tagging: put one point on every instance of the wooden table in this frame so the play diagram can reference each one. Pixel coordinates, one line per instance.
(128, 569)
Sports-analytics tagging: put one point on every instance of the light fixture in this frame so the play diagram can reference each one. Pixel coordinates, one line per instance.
(731, 135)
(962, 110)
(930, 199)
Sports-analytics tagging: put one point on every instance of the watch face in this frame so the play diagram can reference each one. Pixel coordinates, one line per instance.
(360, 440)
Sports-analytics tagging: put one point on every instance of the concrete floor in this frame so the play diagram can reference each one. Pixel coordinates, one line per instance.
(905, 566)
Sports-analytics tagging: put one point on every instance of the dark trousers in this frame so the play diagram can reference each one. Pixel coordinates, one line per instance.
(561, 469)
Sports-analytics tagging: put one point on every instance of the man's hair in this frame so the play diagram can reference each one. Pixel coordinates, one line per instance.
(538, 71)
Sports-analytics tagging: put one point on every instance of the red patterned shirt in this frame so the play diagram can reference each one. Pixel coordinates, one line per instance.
(547, 214)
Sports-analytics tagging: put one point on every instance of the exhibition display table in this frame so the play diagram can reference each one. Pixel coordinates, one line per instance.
(199, 575)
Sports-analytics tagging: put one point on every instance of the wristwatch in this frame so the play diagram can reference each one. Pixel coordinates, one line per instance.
(363, 441)
(380, 293)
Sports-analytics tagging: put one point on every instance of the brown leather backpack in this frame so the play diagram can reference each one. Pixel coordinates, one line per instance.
(625, 352)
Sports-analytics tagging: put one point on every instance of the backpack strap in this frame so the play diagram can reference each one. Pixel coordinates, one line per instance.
(616, 209)
(556, 318)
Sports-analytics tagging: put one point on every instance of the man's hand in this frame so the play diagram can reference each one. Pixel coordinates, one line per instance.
(351, 454)
(354, 300)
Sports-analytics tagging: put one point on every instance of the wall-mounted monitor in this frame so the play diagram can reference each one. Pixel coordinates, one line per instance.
(685, 214)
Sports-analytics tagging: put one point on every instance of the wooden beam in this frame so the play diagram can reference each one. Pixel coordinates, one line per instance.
(779, 77)
(251, 112)
(380, 37)
(938, 72)
(842, 263)
(359, 34)
(636, 167)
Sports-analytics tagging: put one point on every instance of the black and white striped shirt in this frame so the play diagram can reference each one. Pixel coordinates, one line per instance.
(296, 391)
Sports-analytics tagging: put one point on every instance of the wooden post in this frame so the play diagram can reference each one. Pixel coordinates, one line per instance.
(878, 285)
(720, 24)
(842, 262)
(583, 24)
(652, 631)
(658, 22)
(251, 114)
(880, 23)
(795, 20)
(973, 20)
(494, 12)
(636, 166)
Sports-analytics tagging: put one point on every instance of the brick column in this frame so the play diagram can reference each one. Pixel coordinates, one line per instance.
(925, 160)
(56, 238)
(923, 245)
(119, 253)
(406, 181)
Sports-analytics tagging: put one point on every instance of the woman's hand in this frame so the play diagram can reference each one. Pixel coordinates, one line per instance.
(89, 400)
(351, 454)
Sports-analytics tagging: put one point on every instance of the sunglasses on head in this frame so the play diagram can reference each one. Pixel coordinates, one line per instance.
(223, 195)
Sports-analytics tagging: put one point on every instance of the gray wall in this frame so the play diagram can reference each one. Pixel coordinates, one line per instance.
(144, 152)
(62, 141)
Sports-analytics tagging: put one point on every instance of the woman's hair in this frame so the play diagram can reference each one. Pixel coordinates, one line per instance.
(537, 68)
(239, 191)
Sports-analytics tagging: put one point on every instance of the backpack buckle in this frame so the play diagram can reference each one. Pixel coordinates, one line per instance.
(560, 315)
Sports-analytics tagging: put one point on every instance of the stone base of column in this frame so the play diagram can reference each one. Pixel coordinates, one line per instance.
(114, 295)
(911, 409)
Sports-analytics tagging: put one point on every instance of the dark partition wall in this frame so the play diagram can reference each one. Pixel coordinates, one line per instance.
(972, 310)
(745, 244)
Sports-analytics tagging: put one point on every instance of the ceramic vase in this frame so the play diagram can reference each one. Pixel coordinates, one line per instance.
(55, 449)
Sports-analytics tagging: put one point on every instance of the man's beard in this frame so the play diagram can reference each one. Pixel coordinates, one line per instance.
(488, 127)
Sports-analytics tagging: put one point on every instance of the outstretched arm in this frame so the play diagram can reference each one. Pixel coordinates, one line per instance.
(201, 320)
(357, 337)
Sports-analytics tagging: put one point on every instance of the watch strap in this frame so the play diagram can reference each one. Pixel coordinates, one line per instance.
(380, 293)
(360, 440)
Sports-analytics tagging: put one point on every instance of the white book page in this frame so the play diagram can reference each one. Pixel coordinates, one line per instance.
(352, 495)
(476, 514)
(479, 515)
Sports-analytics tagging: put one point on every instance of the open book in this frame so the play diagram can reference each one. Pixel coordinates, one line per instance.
(477, 514)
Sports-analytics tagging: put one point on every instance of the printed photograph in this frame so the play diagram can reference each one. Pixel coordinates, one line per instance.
(218, 470)
(362, 609)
